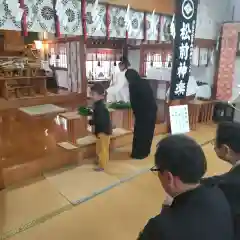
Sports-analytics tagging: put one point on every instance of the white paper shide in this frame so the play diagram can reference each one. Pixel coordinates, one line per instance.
(127, 20)
(61, 8)
(60, 11)
(14, 7)
(153, 23)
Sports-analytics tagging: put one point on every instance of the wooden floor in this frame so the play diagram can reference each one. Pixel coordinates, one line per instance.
(48, 208)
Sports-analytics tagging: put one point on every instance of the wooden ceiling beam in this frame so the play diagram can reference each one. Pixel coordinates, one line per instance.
(160, 6)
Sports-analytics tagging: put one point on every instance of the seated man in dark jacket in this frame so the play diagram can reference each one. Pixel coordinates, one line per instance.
(227, 148)
(197, 212)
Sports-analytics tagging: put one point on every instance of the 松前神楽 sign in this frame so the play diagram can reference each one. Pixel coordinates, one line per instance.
(185, 26)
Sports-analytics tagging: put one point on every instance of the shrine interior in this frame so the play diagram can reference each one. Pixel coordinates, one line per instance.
(47, 68)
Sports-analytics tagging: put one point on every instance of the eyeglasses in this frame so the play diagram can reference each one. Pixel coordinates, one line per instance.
(154, 169)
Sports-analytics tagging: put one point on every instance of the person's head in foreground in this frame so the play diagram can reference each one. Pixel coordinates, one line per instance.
(124, 63)
(97, 92)
(227, 143)
(180, 163)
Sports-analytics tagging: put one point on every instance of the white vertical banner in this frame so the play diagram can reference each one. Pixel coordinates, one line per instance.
(179, 119)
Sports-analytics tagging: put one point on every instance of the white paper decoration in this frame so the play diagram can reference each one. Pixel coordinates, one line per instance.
(14, 7)
(117, 26)
(40, 15)
(136, 29)
(152, 25)
(96, 19)
(69, 15)
(10, 15)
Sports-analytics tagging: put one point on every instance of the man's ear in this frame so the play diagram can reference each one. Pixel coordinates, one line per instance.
(225, 149)
(169, 177)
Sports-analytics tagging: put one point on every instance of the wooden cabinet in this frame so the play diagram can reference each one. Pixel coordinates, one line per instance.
(22, 86)
(13, 41)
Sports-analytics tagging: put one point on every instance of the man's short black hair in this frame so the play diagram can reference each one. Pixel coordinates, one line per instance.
(183, 157)
(98, 88)
(124, 61)
(228, 133)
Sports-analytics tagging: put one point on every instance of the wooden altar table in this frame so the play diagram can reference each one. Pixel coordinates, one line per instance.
(19, 86)
(76, 126)
(122, 118)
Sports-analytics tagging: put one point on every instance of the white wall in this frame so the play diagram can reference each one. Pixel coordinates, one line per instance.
(235, 10)
(236, 76)
(211, 13)
(62, 79)
(134, 59)
(204, 74)
(235, 89)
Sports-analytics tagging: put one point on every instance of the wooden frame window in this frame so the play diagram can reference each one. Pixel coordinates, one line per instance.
(101, 64)
(58, 55)
(159, 59)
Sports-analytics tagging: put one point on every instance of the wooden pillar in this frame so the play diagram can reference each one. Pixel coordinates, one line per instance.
(125, 48)
(82, 55)
(5, 131)
(1, 178)
(142, 61)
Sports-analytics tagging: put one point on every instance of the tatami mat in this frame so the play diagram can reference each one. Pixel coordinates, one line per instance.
(20, 206)
(204, 133)
(88, 183)
(214, 164)
(115, 215)
(121, 155)
(81, 183)
(42, 109)
(121, 170)
(143, 164)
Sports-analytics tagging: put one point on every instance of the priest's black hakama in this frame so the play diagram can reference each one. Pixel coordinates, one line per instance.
(144, 109)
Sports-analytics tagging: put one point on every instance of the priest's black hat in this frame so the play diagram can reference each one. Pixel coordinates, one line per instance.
(124, 60)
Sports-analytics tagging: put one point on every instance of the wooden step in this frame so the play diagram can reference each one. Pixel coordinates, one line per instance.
(87, 145)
